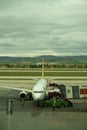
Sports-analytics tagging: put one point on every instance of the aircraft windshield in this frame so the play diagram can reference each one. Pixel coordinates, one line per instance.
(38, 91)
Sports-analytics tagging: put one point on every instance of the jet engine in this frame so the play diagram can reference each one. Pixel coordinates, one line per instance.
(22, 94)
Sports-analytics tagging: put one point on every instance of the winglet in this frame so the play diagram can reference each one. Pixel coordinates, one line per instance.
(43, 69)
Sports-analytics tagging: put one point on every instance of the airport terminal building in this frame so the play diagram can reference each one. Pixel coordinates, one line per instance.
(74, 92)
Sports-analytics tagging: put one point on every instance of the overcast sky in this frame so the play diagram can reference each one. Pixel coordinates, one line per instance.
(43, 27)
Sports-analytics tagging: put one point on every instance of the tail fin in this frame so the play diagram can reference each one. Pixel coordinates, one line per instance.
(43, 69)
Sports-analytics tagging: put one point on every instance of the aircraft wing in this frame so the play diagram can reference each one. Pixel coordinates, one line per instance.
(18, 89)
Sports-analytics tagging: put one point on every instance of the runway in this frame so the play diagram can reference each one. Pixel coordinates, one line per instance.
(46, 77)
(25, 118)
(21, 82)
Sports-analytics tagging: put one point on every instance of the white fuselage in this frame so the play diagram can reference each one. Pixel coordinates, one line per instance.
(39, 90)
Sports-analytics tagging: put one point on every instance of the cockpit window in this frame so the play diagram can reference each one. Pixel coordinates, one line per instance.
(35, 91)
(38, 91)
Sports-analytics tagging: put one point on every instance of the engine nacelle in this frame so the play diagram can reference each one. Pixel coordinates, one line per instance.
(22, 94)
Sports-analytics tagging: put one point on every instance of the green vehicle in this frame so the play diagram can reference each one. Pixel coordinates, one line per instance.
(58, 103)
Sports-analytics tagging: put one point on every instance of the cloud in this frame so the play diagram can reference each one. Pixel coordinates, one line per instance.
(6, 45)
(43, 27)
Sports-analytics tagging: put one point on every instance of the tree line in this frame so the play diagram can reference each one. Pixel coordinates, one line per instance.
(47, 65)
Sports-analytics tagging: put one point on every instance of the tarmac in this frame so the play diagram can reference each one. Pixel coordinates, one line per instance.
(25, 116)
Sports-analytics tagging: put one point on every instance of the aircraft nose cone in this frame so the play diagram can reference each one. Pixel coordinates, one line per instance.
(37, 96)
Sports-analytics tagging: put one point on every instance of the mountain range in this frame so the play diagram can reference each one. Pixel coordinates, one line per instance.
(48, 58)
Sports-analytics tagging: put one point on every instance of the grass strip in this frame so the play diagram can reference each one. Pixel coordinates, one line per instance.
(46, 74)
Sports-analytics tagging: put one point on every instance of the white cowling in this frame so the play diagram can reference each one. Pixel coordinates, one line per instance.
(23, 94)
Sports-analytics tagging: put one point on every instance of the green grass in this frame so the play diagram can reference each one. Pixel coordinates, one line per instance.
(46, 74)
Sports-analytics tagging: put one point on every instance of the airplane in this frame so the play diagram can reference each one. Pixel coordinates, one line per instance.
(39, 91)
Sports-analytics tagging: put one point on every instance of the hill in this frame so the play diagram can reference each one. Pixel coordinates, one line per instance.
(48, 58)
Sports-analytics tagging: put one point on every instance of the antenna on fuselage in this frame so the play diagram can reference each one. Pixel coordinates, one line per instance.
(43, 69)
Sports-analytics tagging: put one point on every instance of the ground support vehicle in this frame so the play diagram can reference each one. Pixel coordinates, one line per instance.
(58, 102)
